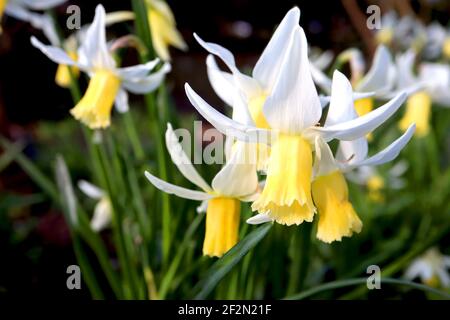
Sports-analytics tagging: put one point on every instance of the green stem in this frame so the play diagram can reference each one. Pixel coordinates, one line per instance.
(130, 128)
(144, 32)
(357, 281)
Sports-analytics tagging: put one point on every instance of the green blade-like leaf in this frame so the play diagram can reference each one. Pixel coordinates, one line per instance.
(225, 264)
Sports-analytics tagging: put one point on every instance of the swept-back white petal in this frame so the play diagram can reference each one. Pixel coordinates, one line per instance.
(176, 190)
(378, 77)
(324, 162)
(356, 128)
(121, 101)
(222, 82)
(138, 71)
(148, 83)
(55, 54)
(238, 176)
(390, 152)
(91, 190)
(354, 151)
(267, 67)
(224, 124)
(341, 104)
(294, 103)
(102, 215)
(248, 85)
(42, 4)
(94, 49)
(259, 219)
(181, 160)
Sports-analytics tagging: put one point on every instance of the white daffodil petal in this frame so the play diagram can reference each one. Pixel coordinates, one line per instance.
(322, 61)
(121, 101)
(294, 103)
(251, 197)
(94, 50)
(238, 176)
(354, 151)
(341, 103)
(221, 82)
(91, 190)
(390, 152)
(55, 54)
(259, 219)
(356, 128)
(324, 162)
(102, 215)
(247, 84)
(148, 83)
(224, 54)
(415, 269)
(377, 77)
(138, 71)
(42, 4)
(268, 65)
(405, 66)
(181, 160)
(176, 190)
(224, 124)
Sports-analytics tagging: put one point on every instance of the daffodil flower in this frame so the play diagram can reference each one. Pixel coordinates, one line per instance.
(432, 269)
(237, 181)
(337, 217)
(404, 32)
(108, 83)
(293, 111)
(102, 216)
(163, 29)
(431, 85)
(438, 42)
(376, 183)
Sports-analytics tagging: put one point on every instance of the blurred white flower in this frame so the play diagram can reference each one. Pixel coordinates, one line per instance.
(432, 269)
(109, 84)
(102, 216)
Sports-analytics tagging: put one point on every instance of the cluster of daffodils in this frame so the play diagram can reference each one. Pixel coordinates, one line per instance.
(277, 109)
(89, 51)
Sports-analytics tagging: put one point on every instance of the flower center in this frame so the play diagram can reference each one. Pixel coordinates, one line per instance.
(418, 111)
(446, 48)
(222, 226)
(286, 196)
(363, 106)
(337, 218)
(385, 36)
(94, 109)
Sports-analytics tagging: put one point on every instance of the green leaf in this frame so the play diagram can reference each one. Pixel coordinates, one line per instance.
(225, 264)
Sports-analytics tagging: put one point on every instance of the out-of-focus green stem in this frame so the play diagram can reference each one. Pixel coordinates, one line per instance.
(130, 127)
(144, 33)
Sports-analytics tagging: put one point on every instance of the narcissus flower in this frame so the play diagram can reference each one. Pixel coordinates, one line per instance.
(376, 183)
(103, 211)
(292, 111)
(108, 83)
(432, 83)
(237, 181)
(432, 269)
(438, 42)
(337, 217)
(163, 29)
(376, 83)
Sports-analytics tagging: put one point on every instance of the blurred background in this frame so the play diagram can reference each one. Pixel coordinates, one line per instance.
(35, 244)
